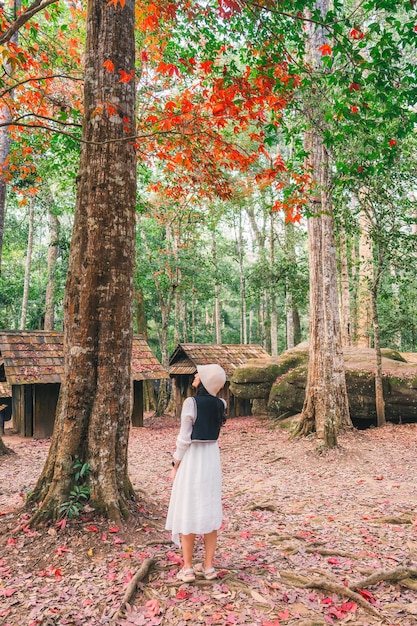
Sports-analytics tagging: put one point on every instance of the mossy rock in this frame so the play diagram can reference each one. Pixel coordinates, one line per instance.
(394, 355)
(263, 370)
(399, 388)
(250, 391)
(287, 394)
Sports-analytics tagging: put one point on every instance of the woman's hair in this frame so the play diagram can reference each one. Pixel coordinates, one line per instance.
(221, 411)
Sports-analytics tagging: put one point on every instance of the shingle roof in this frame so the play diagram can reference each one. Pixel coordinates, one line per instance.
(187, 356)
(37, 357)
(145, 365)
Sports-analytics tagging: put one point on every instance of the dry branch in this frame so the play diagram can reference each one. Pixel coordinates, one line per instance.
(131, 589)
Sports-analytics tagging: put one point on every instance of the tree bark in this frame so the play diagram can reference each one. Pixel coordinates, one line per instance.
(326, 406)
(29, 249)
(50, 286)
(94, 407)
(4, 153)
(5, 117)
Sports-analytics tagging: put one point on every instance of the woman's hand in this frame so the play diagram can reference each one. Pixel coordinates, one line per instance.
(175, 466)
(173, 473)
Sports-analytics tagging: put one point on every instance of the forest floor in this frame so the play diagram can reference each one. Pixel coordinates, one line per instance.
(309, 538)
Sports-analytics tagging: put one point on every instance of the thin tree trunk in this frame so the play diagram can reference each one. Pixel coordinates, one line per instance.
(94, 408)
(379, 390)
(50, 286)
(289, 320)
(364, 314)
(289, 304)
(29, 252)
(273, 313)
(242, 281)
(345, 293)
(217, 316)
(149, 403)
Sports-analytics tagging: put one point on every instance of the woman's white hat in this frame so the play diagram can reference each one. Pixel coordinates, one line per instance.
(212, 377)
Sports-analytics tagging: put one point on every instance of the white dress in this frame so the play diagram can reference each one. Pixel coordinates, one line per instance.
(195, 505)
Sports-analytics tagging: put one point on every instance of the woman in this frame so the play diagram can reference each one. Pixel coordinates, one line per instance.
(195, 507)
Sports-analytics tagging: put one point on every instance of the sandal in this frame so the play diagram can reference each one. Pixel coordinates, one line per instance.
(208, 574)
(186, 575)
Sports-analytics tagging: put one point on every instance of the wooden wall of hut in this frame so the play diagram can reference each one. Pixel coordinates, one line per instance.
(137, 410)
(22, 402)
(44, 402)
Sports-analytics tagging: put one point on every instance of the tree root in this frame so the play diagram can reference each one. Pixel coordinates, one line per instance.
(396, 575)
(262, 506)
(393, 520)
(332, 587)
(131, 589)
(393, 576)
(327, 552)
(5, 449)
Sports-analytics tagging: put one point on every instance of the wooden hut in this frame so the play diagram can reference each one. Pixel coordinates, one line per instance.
(33, 366)
(183, 365)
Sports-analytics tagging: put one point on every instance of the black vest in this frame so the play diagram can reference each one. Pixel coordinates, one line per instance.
(208, 423)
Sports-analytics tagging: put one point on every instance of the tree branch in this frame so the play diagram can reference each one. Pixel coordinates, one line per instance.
(34, 8)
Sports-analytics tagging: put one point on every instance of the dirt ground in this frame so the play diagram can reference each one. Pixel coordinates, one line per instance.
(308, 538)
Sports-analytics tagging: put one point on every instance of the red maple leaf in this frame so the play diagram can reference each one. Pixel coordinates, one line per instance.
(125, 77)
(109, 65)
(325, 50)
(228, 7)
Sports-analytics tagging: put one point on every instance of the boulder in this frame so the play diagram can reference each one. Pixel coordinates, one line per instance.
(254, 379)
(287, 390)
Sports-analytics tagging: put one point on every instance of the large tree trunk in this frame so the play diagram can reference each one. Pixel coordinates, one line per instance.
(5, 118)
(29, 249)
(50, 286)
(326, 405)
(94, 408)
(4, 153)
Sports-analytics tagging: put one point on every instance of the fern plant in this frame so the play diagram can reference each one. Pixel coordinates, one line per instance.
(80, 493)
